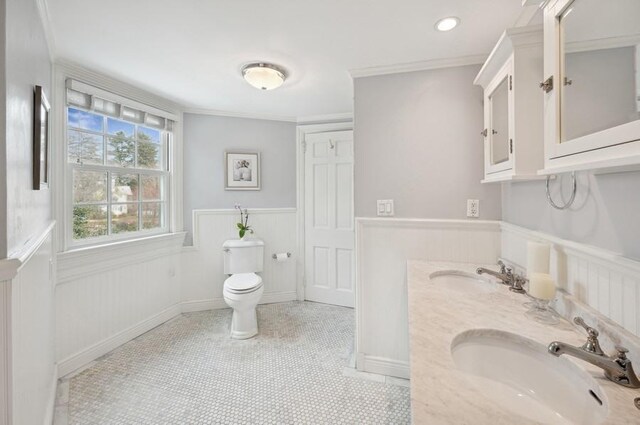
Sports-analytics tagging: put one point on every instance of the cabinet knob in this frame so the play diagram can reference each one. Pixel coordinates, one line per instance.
(547, 85)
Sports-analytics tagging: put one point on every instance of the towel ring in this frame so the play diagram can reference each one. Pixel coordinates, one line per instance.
(571, 199)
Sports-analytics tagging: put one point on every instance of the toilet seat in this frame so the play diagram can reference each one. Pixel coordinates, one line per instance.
(243, 283)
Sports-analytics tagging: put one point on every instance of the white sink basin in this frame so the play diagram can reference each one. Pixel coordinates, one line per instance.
(463, 281)
(522, 377)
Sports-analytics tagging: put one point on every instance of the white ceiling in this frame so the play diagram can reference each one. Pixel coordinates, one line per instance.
(191, 51)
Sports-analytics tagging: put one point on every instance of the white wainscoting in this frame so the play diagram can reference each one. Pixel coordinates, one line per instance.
(109, 295)
(383, 248)
(604, 280)
(6, 408)
(27, 355)
(202, 276)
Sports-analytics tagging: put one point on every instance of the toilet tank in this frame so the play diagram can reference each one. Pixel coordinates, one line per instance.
(243, 256)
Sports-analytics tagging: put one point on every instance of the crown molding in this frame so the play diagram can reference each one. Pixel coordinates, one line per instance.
(303, 120)
(510, 40)
(231, 114)
(47, 26)
(327, 118)
(418, 66)
(537, 3)
(70, 69)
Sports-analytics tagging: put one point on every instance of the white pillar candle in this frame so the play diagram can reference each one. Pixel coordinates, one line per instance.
(542, 286)
(537, 258)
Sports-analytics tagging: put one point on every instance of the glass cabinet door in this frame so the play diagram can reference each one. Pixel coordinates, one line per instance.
(599, 42)
(499, 128)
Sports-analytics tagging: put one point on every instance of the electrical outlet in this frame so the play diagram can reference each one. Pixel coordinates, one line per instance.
(473, 208)
(385, 207)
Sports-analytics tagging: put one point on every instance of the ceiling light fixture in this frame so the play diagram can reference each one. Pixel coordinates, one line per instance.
(447, 24)
(264, 76)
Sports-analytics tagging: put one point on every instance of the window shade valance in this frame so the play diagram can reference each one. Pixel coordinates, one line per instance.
(101, 101)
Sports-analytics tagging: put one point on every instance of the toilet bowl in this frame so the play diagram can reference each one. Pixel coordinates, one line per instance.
(242, 292)
(243, 288)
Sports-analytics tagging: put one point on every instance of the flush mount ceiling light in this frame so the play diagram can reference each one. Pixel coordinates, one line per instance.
(447, 24)
(264, 76)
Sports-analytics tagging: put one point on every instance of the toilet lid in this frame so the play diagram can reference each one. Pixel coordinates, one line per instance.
(243, 281)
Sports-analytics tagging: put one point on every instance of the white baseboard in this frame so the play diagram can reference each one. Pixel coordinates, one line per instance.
(101, 348)
(278, 297)
(383, 366)
(218, 303)
(203, 305)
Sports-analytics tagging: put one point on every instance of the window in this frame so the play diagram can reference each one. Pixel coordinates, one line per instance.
(118, 170)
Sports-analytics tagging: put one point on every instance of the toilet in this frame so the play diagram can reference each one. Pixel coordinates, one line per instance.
(243, 288)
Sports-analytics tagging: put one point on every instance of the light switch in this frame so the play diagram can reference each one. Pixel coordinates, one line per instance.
(385, 207)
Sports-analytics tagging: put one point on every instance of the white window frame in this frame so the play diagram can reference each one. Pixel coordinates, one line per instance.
(110, 170)
(127, 95)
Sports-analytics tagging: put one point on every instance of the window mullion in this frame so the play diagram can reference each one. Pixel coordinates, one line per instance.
(139, 201)
(109, 201)
(105, 139)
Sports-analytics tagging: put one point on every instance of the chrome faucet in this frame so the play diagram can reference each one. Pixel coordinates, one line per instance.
(617, 368)
(506, 276)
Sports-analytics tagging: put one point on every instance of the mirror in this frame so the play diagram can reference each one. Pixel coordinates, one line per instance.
(499, 129)
(600, 66)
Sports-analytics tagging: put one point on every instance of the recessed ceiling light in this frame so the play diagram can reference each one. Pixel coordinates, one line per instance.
(447, 24)
(264, 76)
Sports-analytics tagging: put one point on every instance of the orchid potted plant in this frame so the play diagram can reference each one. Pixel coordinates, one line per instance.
(243, 225)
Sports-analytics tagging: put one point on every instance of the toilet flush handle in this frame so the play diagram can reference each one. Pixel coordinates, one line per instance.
(227, 250)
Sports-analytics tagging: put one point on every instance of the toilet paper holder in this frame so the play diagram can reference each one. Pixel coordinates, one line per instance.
(274, 256)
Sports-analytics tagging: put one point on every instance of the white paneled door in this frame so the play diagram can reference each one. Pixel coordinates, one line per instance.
(329, 227)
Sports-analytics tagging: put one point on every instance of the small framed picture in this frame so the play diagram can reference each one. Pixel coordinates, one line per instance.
(41, 109)
(242, 171)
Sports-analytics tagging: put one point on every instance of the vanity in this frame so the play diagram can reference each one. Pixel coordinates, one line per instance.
(475, 357)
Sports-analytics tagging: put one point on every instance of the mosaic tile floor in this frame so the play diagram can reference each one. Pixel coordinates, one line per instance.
(188, 371)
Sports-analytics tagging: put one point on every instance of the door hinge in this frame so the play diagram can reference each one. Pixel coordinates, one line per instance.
(510, 145)
(304, 146)
(510, 82)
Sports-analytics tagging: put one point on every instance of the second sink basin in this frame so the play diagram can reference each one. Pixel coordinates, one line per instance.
(518, 374)
(464, 281)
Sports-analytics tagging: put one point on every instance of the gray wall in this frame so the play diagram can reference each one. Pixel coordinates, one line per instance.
(417, 141)
(27, 64)
(605, 213)
(207, 137)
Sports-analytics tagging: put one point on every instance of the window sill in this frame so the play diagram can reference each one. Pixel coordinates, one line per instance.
(85, 261)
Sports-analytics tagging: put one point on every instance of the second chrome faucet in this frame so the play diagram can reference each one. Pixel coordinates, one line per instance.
(506, 277)
(617, 368)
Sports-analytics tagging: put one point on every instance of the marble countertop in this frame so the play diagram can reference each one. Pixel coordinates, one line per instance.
(440, 393)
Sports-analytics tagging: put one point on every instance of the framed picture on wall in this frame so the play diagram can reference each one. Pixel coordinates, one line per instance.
(242, 171)
(41, 109)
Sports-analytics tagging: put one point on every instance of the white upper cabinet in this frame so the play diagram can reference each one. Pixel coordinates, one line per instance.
(592, 85)
(513, 108)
